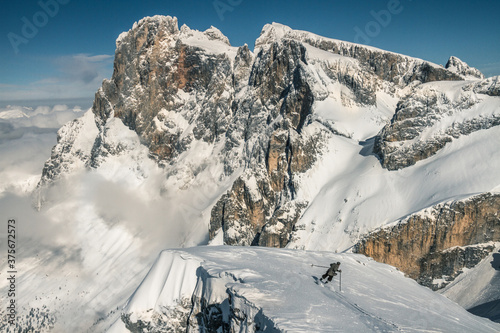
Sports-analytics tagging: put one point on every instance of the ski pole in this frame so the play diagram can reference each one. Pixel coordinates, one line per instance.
(340, 281)
(313, 265)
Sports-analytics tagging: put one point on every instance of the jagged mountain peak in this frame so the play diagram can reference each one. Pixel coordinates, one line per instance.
(461, 68)
(169, 21)
(268, 113)
(152, 25)
(157, 28)
(387, 65)
(273, 32)
(154, 30)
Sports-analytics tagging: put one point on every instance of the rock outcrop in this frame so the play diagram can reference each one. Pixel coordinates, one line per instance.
(152, 65)
(427, 119)
(438, 242)
(443, 267)
(388, 66)
(72, 150)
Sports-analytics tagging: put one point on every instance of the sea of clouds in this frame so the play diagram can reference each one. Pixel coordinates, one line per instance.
(27, 135)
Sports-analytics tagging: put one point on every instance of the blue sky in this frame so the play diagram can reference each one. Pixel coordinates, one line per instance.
(71, 51)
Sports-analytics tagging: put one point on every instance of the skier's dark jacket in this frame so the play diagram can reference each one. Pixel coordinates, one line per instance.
(333, 268)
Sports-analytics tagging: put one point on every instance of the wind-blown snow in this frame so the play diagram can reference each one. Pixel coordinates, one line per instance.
(90, 244)
(172, 278)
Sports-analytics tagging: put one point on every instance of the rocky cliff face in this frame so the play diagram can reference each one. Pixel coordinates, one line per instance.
(230, 313)
(490, 86)
(72, 151)
(433, 246)
(180, 89)
(153, 63)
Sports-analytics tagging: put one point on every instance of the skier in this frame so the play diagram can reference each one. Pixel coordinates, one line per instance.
(331, 272)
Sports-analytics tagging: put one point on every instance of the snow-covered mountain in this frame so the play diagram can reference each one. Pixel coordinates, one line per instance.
(306, 142)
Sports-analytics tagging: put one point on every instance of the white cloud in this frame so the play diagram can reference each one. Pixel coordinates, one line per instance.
(76, 76)
(82, 67)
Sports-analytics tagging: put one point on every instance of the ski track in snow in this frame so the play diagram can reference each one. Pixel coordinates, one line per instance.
(337, 295)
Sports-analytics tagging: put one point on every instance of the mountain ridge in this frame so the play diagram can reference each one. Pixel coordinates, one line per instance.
(158, 40)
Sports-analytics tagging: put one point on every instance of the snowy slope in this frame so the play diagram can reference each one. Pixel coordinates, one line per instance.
(276, 290)
(277, 31)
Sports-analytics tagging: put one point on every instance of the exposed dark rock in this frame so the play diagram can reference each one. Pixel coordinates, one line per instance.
(148, 73)
(169, 319)
(388, 66)
(241, 213)
(225, 315)
(245, 214)
(69, 153)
